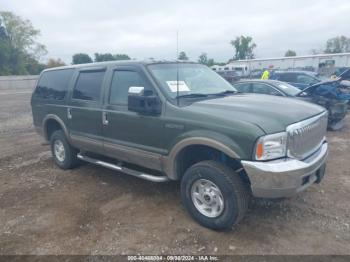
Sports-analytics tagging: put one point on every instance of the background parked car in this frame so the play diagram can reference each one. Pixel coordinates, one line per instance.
(256, 74)
(326, 94)
(300, 79)
(229, 75)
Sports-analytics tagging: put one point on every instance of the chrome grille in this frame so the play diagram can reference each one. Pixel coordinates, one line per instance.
(306, 136)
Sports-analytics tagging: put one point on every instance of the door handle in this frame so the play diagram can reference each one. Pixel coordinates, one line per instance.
(104, 118)
(69, 113)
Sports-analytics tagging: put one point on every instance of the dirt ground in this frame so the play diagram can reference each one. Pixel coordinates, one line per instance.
(93, 210)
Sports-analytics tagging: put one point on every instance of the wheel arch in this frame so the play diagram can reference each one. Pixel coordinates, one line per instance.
(172, 163)
(52, 123)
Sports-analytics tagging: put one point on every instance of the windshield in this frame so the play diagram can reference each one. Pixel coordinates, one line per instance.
(288, 89)
(192, 79)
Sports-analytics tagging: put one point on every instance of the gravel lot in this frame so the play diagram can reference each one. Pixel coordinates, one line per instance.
(92, 210)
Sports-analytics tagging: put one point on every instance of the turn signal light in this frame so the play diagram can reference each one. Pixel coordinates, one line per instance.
(260, 150)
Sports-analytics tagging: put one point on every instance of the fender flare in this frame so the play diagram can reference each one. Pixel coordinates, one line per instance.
(169, 161)
(57, 119)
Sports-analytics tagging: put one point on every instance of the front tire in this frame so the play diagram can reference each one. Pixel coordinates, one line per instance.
(214, 195)
(64, 154)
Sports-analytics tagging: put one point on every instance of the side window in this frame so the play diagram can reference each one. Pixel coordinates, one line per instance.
(121, 82)
(265, 89)
(305, 79)
(54, 84)
(88, 85)
(288, 77)
(243, 88)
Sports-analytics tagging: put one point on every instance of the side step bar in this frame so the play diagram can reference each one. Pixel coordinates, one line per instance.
(123, 169)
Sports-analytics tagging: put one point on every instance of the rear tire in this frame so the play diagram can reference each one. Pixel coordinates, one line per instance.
(64, 154)
(214, 195)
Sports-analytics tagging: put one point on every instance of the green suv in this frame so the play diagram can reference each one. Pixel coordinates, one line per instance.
(164, 121)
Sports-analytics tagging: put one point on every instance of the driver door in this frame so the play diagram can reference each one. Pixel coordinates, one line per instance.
(130, 136)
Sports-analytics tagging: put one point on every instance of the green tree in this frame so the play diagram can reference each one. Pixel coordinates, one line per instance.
(339, 44)
(203, 59)
(54, 63)
(22, 35)
(81, 58)
(244, 47)
(4, 51)
(109, 57)
(182, 56)
(33, 66)
(210, 62)
(290, 53)
(121, 57)
(103, 57)
(18, 45)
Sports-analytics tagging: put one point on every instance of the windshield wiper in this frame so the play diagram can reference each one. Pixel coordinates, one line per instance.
(224, 93)
(193, 95)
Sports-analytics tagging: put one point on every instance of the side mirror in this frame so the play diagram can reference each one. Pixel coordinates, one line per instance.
(143, 101)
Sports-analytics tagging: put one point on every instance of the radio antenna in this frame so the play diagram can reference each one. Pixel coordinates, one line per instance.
(177, 67)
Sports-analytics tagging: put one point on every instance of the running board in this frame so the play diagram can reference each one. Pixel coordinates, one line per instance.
(123, 169)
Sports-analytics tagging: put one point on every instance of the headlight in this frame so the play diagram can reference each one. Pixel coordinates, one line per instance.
(271, 146)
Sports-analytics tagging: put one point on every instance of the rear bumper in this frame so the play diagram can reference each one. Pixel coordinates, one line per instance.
(286, 177)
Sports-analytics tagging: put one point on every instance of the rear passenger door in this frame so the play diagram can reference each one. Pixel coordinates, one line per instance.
(130, 136)
(85, 110)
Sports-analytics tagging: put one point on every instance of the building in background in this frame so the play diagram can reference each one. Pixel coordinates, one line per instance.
(323, 64)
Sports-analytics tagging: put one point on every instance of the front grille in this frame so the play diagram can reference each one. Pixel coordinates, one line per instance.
(305, 137)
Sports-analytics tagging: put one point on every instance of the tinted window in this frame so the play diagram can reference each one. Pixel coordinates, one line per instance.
(305, 79)
(264, 89)
(121, 82)
(54, 84)
(288, 77)
(88, 86)
(243, 88)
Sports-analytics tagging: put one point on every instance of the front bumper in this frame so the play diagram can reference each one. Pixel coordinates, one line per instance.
(285, 177)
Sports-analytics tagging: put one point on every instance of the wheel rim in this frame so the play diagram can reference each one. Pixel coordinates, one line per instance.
(207, 198)
(59, 151)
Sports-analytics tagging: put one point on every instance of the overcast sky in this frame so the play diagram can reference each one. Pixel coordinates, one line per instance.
(147, 28)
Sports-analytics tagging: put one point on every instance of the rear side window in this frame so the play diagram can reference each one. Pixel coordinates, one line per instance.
(305, 79)
(54, 84)
(288, 77)
(243, 88)
(121, 82)
(88, 86)
(265, 89)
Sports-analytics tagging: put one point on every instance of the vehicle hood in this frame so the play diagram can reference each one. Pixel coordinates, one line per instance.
(272, 114)
(330, 81)
(329, 90)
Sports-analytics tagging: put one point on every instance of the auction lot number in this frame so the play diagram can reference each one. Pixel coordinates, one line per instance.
(173, 258)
